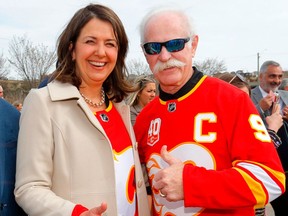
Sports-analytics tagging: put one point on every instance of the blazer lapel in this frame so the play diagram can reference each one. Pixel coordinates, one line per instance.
(257, 94)
(66, 91)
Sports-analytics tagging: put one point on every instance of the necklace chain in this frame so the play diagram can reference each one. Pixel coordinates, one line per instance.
(90, 102)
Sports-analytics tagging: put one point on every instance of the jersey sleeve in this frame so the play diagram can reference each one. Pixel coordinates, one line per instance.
(256, 176)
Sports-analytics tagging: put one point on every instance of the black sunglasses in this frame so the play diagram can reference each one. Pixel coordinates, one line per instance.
(175, 45)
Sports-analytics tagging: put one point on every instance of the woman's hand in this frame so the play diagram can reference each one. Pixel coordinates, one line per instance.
(97, 211)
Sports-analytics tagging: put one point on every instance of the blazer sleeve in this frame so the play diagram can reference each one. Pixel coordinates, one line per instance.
(34, 165)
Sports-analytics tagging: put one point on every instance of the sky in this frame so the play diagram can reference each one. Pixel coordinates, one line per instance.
(235, 31)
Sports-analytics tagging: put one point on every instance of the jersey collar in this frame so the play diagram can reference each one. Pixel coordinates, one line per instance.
(197, 75)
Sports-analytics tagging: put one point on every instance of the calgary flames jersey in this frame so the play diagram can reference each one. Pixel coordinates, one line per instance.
(231, 166)
(123, 159)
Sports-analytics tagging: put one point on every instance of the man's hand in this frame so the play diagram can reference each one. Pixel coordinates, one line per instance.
(169, 180)
(275, 120)
(266, 102)
(97, 211)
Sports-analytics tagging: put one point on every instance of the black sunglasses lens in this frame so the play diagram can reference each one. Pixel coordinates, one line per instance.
(175, 45)
(152, 48)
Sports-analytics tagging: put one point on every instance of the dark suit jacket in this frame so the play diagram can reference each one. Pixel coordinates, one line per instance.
(282, 150)
(9, 127)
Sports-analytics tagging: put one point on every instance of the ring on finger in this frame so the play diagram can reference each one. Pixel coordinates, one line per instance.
(161, 194)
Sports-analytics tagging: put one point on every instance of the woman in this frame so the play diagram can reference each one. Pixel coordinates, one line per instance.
(76, 141)
(145, 92)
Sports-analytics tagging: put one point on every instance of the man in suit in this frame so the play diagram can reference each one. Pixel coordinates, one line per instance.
(9, 127)
(264, 96)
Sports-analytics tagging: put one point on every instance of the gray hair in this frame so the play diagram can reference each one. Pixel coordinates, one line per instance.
(187, 20)
(266, 64)
(284, 83)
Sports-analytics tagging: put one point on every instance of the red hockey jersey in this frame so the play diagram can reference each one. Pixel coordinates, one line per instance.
(231, 166)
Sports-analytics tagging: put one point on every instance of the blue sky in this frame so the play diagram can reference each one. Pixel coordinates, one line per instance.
(230, 30)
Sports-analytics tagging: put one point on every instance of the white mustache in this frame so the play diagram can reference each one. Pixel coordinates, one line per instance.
(160, 66)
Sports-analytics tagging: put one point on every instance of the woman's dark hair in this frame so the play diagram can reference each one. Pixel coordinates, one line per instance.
(116, 84)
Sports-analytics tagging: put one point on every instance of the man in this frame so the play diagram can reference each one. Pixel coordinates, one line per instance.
(9, 127)
(264, 96)
(1, 92)
(206, 149)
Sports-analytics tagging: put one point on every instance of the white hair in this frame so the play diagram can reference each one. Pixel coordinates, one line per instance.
(187, 20)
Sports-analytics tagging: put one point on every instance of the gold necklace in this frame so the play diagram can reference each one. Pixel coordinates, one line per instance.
(90, 102)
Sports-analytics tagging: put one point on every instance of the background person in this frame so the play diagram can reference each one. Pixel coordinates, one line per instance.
(235, 80)
(145, 92)
(191, 138)
(9, 128)
(264, 97)
(18, 105)
(267, 93)
(1, 92)
(284, 84)
(76, 152)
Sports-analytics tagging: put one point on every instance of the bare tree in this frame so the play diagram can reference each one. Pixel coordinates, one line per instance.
(32, 62)
(3, 69)
(211, 66)
(138, 67)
